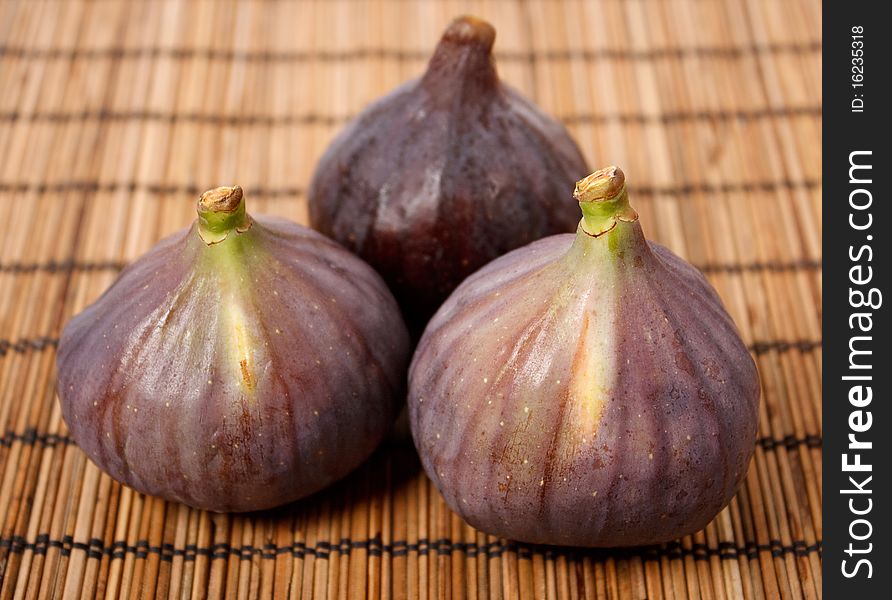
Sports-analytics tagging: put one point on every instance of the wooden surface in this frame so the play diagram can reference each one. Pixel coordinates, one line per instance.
(115, 115)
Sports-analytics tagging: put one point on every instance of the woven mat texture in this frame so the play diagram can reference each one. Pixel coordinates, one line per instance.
(115, 115)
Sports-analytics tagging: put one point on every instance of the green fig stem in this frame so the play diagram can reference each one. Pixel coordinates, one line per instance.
(604, 201)
(220, 212)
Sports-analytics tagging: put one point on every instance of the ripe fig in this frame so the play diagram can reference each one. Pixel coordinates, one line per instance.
(240, 364)
(430, 171)
(587, 389)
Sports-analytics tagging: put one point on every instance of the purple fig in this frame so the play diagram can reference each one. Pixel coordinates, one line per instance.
(430, 171)
(587, 389)
(240, 364)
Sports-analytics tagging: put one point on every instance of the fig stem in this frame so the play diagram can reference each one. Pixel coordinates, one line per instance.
(468, 29)
(221, 211)
(462, 65)
(604, 201)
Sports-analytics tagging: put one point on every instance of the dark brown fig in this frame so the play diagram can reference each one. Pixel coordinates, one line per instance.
(430, 171)
(240, 364)
(587, 389)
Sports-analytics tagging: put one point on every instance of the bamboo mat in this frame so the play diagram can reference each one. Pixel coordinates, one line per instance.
(114, 116)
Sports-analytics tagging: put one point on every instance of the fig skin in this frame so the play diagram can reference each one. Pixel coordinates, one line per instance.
(236, 366)
(430, 170)
(585, 390)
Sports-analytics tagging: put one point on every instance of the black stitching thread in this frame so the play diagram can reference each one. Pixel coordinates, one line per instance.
(172, 118)
(23, 345)
(61, 266)
(38, 344)
(727, 188)
(669, 118)
(803, 264)
(266, 56)
(802, 346)
(71, 265)
(444, 547)
(30, 437)
(791, 442)
(92, 186)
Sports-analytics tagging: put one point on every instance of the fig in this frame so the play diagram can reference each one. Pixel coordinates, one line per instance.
(587, 389)
(430, 171)
(240, 364)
